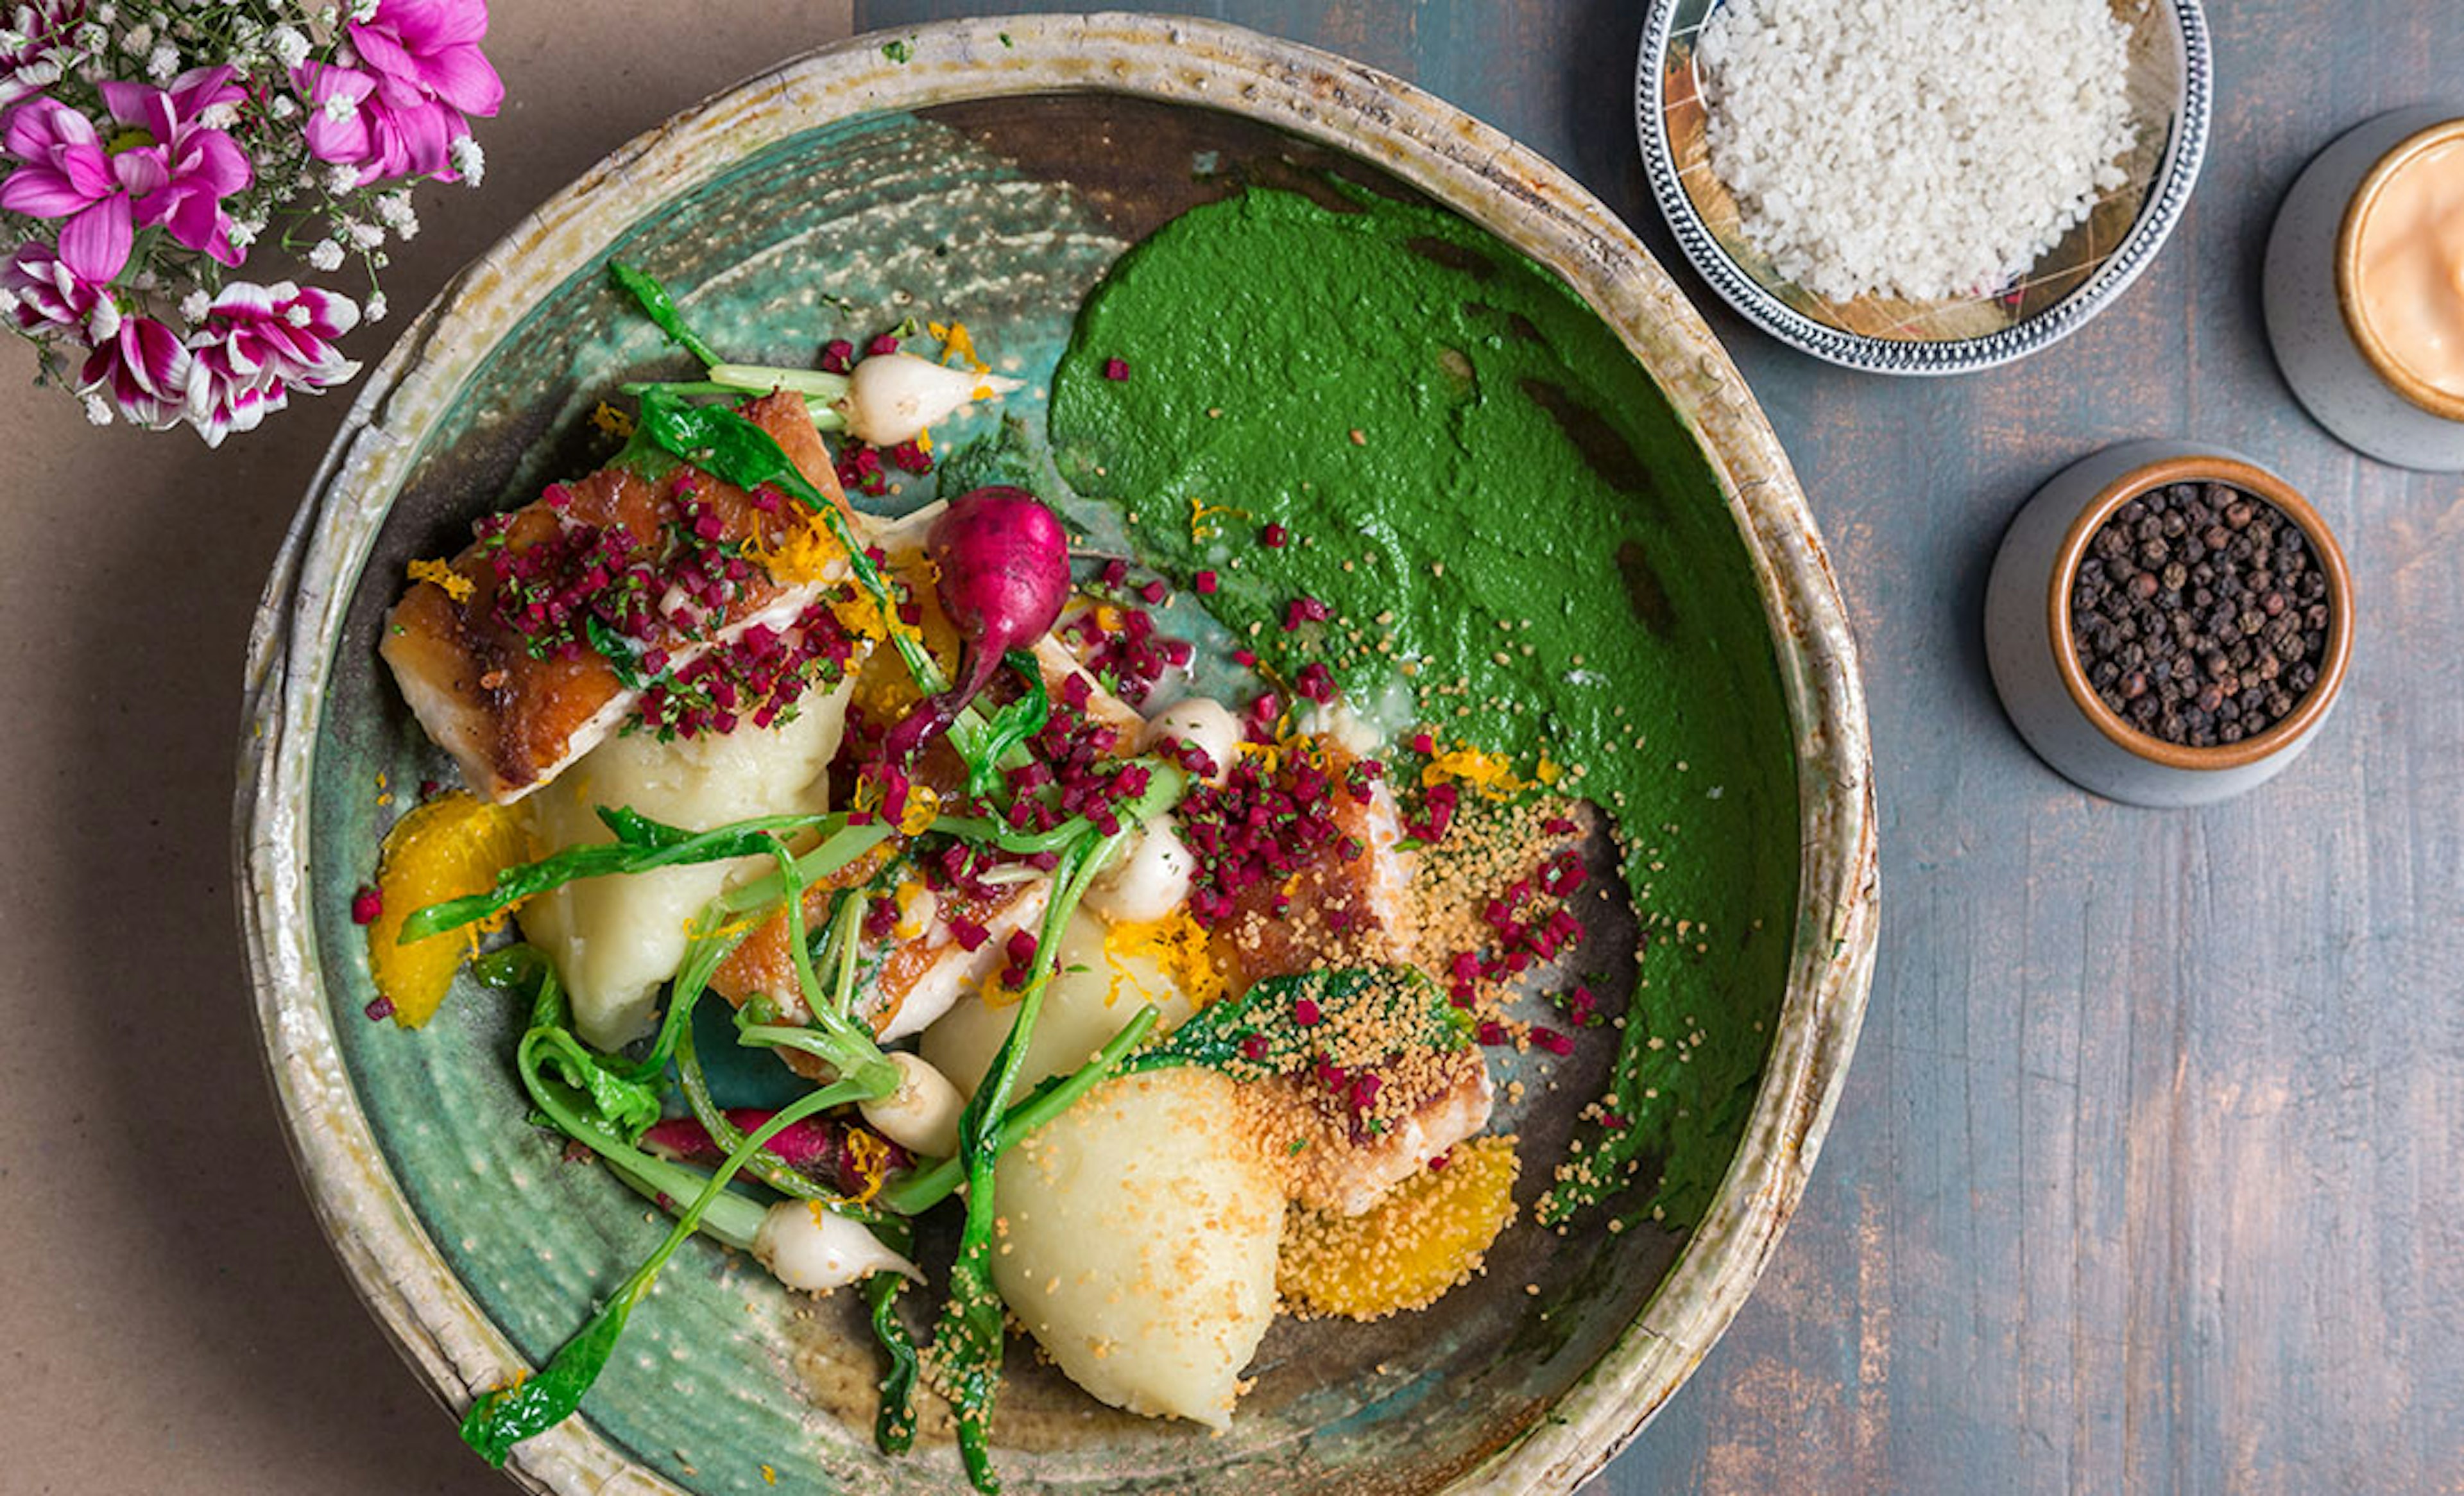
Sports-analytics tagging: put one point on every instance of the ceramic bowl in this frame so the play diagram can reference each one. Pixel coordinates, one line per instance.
(2170, 89)
(2336, 368)
(2037, 668)
(951, 173)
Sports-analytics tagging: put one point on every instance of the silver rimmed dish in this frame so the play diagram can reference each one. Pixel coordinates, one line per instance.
(2171, 88)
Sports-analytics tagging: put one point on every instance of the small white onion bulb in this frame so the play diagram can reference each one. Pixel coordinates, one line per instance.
(808, 1246)
(922, 1114)
(1202, 723)
(893, 397)
(1149, 880)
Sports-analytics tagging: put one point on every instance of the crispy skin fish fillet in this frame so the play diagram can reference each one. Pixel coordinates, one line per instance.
(512, 721)
(1340, 911)
(918, 977)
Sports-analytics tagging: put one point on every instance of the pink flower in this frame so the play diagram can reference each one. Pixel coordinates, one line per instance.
(258, 345)
(67, 174)
(161, 168)
(142, 369)
(184, 169)
(52, 299)
(419, 73)
(27, 70)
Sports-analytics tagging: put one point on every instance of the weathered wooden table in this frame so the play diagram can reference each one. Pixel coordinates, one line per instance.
(2150, 1173)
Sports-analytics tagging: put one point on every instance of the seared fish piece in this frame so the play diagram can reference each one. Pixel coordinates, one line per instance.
(912, 979)
(513, 718)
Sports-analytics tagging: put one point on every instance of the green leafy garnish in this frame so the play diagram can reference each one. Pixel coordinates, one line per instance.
(504, 1417)
(642, 845)
(662, 309)
(1259, 1033)
(895, 1428)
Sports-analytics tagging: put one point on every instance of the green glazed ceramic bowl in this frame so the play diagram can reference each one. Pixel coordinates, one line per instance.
(992, 171)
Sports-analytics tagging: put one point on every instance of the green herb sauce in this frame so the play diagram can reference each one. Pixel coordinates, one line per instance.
(1522, 550)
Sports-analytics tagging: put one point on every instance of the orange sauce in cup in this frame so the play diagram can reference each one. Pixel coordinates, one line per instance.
(2406, 265)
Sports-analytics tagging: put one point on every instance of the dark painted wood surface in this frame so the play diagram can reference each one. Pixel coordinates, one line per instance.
(2151, 1173)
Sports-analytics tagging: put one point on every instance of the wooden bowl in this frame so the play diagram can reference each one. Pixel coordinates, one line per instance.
(994, 171)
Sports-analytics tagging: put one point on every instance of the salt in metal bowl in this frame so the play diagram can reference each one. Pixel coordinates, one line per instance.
(2171, 87)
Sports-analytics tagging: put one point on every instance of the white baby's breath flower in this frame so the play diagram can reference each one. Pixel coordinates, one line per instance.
(468, 159)
(219, 116)
(138, 38)
(282, 106)
(195, 305)
(163, 62)
(328, 17)
(394, 207)
(375, 309)
(365, 235)
(341, 107)
(365, 11)
(243, 234)
(105, 15)
(290, 46)
(297, 316)
(326, 255)
(97, 409)
(90, 39)
(339, 179)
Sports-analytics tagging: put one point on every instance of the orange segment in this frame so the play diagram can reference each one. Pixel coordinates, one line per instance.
(1425, 1236)
(452, 845)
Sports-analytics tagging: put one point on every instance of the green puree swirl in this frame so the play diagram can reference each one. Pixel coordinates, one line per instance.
(1455, 442)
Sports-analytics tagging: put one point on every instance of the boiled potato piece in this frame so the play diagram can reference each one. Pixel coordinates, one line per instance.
(1137, 1241)
(615, 940)
(1091, 997)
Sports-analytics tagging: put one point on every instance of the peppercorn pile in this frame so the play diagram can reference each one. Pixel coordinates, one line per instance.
(2200, 615)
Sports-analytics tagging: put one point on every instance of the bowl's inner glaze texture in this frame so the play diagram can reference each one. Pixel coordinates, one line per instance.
(1003, 214)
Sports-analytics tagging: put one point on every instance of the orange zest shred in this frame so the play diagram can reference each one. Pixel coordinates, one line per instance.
(923, 805)
(1489, 774)
(800, 548)
(452, 845)
(1200, 509)
(958, 346)
(614, 422)
(456, 585)
(1412, 1247)
(869, 1156)
(1177, 944)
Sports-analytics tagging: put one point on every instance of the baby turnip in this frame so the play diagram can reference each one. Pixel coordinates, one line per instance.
(1003, 564)
(922, 1114)
(893, 397)
(808, 1245)
(1202, 723)
(1149, 881)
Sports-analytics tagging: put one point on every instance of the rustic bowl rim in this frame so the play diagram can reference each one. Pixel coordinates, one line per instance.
(2447, 405)
(2246, 478)
(1406, 132)
(2168, 199)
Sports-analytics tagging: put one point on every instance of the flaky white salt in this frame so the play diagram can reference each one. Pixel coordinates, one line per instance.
(1918, 148)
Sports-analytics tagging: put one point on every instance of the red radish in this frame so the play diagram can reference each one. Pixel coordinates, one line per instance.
(1004, 573)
